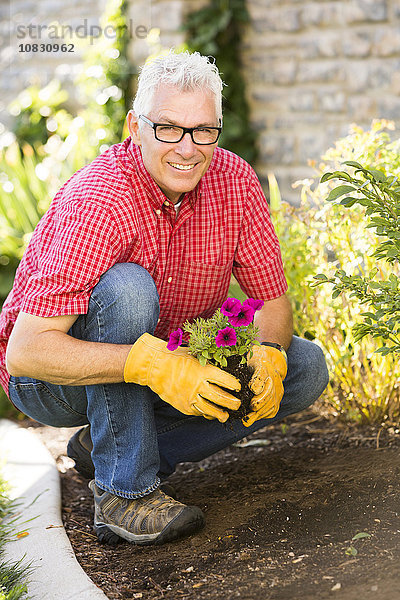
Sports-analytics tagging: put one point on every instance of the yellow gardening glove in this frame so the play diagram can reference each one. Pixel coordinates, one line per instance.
(270, 370)
(179, 379)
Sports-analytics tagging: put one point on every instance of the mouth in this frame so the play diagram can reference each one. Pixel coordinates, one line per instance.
(182, 167)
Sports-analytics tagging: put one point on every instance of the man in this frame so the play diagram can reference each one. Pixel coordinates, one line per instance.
(132, 245)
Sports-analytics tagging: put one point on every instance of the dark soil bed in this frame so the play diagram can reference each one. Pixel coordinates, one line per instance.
(281, 508)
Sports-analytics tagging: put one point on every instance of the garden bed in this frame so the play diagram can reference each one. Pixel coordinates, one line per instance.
(281, 512)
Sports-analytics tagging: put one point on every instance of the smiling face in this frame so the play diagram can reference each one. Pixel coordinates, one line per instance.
(176, 168)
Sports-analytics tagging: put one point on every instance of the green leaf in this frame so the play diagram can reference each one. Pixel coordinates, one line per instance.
(340, 191)
(327, 177)
(320, 277)
(349, 201)
(353, 163)
(361, 535)
(378, 175)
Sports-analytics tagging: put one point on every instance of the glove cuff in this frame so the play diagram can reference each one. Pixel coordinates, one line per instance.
(278, 347)
(141, 357)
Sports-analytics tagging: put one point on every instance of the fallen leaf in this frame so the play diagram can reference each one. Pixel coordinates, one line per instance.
(361, 535)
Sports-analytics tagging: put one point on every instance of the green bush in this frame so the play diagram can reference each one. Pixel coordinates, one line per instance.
(323, 237)
(379, 194)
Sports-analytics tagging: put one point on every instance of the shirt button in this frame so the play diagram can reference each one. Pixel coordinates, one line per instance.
(158, 211)
(166, 203)
(169, 279)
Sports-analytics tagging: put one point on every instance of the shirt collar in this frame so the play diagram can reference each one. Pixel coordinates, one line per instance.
(155, 194)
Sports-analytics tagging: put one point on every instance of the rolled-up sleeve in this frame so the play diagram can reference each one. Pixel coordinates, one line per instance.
(73, 254)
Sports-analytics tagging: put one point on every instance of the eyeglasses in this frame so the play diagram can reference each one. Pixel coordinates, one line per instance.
(171, 134)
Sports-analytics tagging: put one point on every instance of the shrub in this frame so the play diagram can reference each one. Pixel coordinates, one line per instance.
(380, 196)
(323, 237)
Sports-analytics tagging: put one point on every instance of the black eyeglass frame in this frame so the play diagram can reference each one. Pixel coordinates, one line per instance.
(185, 130)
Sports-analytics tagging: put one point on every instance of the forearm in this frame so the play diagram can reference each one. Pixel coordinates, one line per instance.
(56, 357)
(275, 322)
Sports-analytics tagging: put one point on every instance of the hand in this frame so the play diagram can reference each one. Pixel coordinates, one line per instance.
(179, 379)
(270, 370)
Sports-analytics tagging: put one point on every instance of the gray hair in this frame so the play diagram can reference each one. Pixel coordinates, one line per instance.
(186, 71)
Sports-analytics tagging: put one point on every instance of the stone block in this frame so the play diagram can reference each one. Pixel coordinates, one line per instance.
(310, 146)
(386, 42)
(140, 13)
(395, 83)
(267, 99)
(277, 149)
(291, 121)
(324, 44)
(332, 101)
(302, 100)
(388, 107)
(359, 11)
(317, 14)
(357, 44)
(284, 72)
(172, 38)
(262, 75)
(356, 75)
(166, 15)
(319, 71)
(361, 108)
(380, 72)
(285, 19)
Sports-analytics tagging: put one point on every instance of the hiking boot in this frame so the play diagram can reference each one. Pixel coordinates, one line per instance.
(153, 519)
(79, 449)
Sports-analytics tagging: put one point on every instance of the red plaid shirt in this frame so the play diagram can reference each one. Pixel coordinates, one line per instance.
(112, 211)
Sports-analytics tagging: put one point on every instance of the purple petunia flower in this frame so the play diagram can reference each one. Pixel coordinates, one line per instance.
(175, 339)
(244, 317)
(226, 337)
(255, 304)
(231, 306)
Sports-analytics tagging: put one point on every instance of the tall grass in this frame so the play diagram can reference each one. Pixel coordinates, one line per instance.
(14, 575)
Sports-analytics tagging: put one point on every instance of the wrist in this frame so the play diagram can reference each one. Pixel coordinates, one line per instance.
(278, 347)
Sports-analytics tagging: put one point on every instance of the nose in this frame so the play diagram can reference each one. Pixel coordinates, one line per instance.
(186, 147)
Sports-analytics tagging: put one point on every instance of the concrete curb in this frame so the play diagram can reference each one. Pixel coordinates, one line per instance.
(31, 471)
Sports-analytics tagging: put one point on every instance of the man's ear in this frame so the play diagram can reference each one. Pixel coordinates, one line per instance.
(133, 126)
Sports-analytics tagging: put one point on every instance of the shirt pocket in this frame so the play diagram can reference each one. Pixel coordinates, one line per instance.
(201, 288)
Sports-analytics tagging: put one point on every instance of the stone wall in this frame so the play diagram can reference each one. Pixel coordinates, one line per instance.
(312, 69)
(24, 23)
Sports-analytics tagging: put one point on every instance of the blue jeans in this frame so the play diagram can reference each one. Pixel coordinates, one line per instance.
(138, 438)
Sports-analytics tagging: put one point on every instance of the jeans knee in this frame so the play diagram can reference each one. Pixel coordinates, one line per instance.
(316, 367)
(307, 372)
(124, 303)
